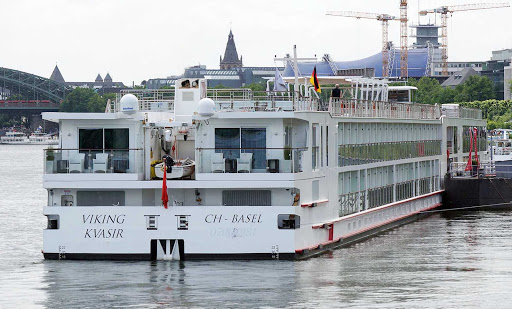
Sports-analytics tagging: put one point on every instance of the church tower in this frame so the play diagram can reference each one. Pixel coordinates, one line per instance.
(230, 55)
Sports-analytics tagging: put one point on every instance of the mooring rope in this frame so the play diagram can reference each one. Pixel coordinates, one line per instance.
(468, 207)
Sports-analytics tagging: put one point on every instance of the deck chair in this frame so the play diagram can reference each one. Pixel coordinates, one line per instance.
(244, 163)
(76, 162)
(99, 164)
(218, 163)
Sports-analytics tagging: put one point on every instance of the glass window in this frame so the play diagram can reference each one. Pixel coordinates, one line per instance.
(90, 139)
(230, 141)
(116, 139)
(226, 139)
(100, 198)
(255, 138)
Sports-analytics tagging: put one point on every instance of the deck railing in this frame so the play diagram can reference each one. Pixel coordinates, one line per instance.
(342, 107)
(483, 169)
(357, 201)
(149, 99)
(462, 112)
(65, 161)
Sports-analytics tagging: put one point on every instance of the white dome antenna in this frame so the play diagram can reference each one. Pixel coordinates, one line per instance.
(206, 108)
(129, 104)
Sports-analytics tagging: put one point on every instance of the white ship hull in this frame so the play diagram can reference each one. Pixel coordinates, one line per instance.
(213, 231)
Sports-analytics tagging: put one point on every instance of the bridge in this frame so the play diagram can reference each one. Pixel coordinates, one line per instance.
(35, 105)
(25, 91)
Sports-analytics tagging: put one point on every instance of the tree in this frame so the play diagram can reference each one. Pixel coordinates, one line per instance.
(83, 100)
(475, 88)
(428, 89)
(446, 95)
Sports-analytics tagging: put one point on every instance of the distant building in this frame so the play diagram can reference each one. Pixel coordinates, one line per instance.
(232, 73)
(101, 85)
(459, 77)
(495, 71)
(507, 78)
(230, 60)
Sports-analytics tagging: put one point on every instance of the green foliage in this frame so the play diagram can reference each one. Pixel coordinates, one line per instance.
(428, 90)
(14, 119)
(256, 86)
(475, 88)
(85, 100)
(497, 112)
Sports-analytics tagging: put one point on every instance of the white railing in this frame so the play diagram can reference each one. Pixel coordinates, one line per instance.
(149, 99)
(341, 107)
(462, 112)
(485, 169)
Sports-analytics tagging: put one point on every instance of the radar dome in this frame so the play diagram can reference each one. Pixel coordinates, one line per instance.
(206, 107)
(129, 103)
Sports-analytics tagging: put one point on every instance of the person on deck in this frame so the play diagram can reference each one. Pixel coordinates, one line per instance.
(336, 92)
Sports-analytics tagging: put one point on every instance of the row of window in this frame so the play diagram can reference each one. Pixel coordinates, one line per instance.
(379, 152)
(354, 202)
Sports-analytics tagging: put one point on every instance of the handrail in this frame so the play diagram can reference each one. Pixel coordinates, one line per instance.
(87, 149)
(286, 148)
(342, 107)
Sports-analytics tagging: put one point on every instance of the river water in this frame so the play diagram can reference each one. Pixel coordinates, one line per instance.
(461, 260)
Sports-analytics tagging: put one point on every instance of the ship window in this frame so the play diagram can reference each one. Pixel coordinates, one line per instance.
(53, 222)
(66, 200)
(246, 198)
(288, 222)
(103, 139)
(230, 141)
(100, 198)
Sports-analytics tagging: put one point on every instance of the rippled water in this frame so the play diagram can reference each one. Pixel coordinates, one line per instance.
(462, 260)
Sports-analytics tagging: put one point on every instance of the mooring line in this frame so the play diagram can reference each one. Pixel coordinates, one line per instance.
(468, 207)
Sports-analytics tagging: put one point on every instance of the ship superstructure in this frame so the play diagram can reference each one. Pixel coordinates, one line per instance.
(280, 175)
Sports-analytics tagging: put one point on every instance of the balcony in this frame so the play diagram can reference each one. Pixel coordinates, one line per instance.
(250, 160)
(93, 162)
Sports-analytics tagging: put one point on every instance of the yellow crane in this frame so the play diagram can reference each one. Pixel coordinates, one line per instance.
(444, 10)
(384, 18)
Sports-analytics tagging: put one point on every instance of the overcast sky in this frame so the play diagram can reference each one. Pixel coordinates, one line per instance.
(137, 40)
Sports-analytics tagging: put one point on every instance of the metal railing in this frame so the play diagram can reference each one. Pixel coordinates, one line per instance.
(484, 169)
(357, 201)
(357, 154)
(250, 160)
(65, 161)
(342, 107)
(149, 99)
(228, 100)
(462, 112)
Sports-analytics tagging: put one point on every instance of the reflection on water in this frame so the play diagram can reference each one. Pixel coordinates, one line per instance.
(450, 260)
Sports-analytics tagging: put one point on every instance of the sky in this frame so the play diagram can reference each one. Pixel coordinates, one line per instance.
(137, 40)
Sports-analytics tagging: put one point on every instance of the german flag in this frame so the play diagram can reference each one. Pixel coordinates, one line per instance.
(314, 81)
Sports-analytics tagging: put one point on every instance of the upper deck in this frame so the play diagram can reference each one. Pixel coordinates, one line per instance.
(275, 133)
(360, 98)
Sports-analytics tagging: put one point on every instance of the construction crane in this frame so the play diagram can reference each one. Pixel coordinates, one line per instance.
(404, 70)
(444, 10)
(381, 17)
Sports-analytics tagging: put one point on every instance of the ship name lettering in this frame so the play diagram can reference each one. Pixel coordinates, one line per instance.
(103, 219)
(250, 218)
(211, 218)
(103, 233)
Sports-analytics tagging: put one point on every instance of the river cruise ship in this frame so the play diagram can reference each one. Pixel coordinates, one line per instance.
(247, 175)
